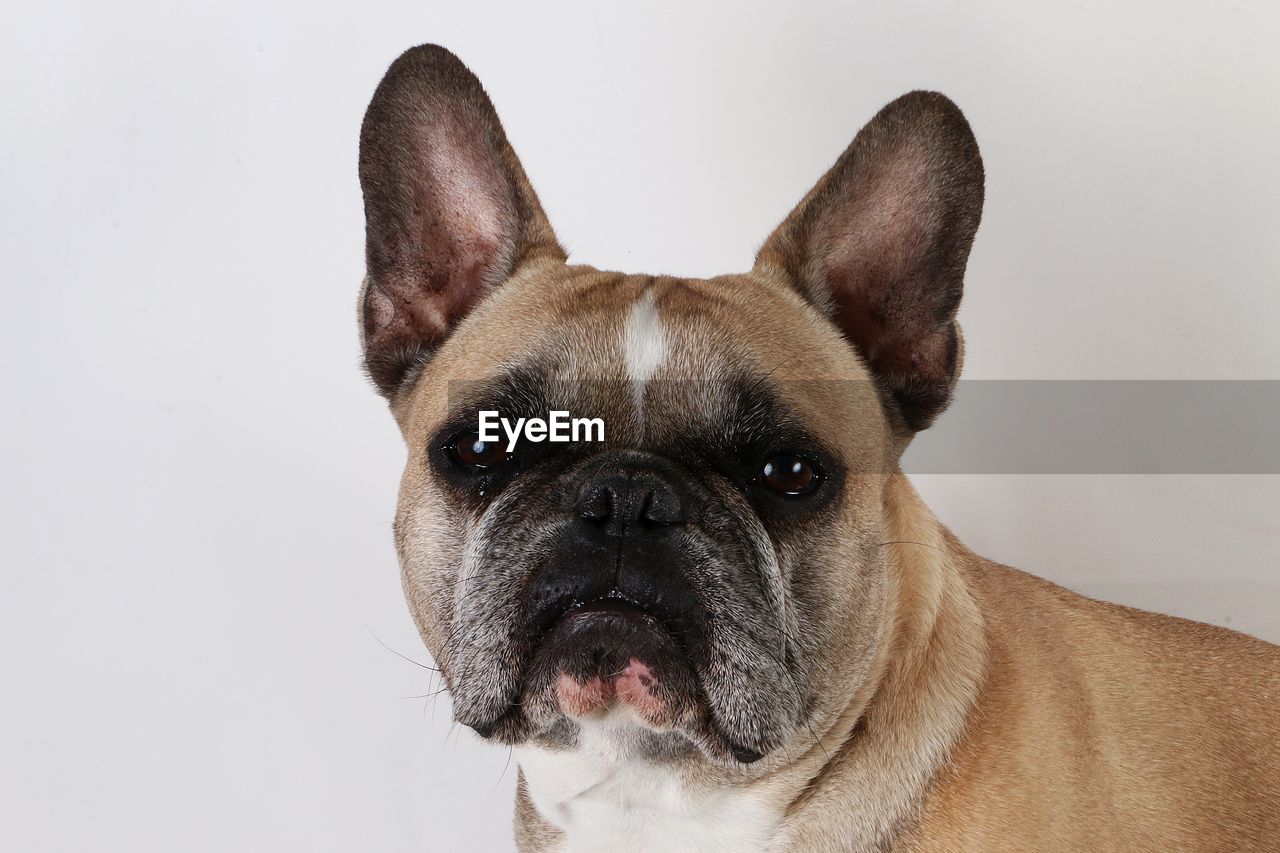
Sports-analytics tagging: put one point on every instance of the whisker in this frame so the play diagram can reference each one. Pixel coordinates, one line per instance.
(505, 768)
(398, 654)
(910, 542)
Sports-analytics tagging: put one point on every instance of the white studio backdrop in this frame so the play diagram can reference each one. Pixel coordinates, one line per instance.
(196, 568)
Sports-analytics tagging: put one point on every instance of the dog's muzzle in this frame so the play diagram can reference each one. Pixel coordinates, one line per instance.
(611, 612)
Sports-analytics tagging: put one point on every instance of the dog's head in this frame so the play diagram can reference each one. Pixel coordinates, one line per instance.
(714, 568)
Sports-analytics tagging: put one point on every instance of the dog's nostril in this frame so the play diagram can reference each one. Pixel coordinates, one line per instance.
(662, 507)
(595, 503)
(630, 498)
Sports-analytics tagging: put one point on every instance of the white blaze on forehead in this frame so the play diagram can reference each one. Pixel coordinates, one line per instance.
(644, 339)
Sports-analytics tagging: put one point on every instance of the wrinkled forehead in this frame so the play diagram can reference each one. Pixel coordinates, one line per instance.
(653, 356)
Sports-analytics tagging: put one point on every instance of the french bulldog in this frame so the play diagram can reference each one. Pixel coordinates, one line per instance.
(730, 624)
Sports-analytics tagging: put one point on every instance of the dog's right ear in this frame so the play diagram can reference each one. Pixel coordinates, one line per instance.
(449, 212)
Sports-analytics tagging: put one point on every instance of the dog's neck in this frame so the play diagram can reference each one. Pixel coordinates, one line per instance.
(896, 735)
(887, 746)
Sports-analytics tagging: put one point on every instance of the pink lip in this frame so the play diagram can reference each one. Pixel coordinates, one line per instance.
(633, 686)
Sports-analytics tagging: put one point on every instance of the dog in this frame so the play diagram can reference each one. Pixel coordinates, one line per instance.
(731, 624)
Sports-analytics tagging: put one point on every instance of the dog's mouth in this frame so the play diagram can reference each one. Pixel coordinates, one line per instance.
(618, 661)
(612, 652)
(612, 606)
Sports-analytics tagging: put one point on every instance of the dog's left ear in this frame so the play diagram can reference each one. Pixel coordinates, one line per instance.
(449, 213)
(880, 246)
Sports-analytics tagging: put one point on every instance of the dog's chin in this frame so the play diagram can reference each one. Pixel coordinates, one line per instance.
(610, 655)
(610, 661)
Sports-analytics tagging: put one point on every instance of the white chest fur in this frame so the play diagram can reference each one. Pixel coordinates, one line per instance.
(604, 798)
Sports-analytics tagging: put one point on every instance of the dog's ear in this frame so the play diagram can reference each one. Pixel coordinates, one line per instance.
(880, 246)
(449, 213)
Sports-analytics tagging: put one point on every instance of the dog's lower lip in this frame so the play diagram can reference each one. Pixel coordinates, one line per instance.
(618, 606)
(612, 607)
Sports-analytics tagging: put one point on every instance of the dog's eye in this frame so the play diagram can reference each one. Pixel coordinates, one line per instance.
(470, 451)
(790, 474)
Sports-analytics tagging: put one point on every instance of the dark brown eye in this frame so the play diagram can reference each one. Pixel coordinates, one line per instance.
(469, 450)
(790, 474)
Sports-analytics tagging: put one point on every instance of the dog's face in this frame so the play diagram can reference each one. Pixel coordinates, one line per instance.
(714, 568)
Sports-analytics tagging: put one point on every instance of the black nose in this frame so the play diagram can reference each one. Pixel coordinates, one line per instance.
(619, 501)
(626, 539)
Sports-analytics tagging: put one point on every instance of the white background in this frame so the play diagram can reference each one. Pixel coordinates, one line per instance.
(198, 484)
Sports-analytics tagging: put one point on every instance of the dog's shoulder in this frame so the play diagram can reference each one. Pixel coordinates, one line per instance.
(1102, 721)
(1047, 617)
